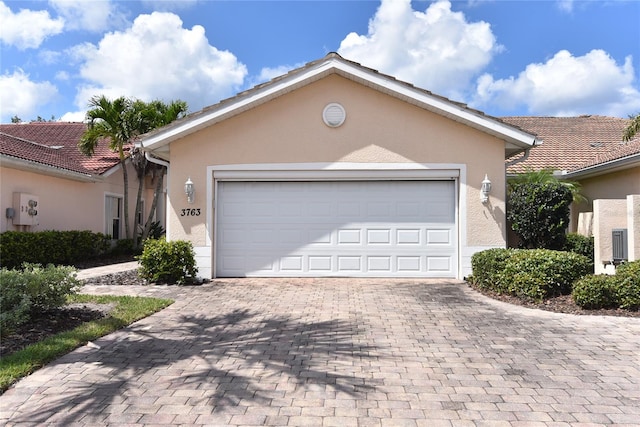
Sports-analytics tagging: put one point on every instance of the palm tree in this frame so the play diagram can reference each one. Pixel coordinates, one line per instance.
(544, 176)
(152, 115)
(121, 121)
(632, 129)
(112, 120)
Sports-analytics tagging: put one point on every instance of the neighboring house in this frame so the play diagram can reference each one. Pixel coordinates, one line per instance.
(40, 162)
(590, 150)
(335, 169)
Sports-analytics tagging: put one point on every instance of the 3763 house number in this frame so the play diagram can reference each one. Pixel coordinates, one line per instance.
(190, 212)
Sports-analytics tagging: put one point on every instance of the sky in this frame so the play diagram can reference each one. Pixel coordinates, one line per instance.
(505, 58)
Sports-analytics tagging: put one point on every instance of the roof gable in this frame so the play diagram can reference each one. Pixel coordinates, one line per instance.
(158, 140)
(54, 146)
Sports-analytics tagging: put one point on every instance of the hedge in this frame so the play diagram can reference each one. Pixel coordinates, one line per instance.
(531, 274)
(50, 247)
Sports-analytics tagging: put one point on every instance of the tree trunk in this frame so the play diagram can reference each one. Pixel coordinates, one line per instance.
(125, 176)
(156, 194)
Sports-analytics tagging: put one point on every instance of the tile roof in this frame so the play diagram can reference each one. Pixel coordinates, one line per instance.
(572, 143)
(54, 144)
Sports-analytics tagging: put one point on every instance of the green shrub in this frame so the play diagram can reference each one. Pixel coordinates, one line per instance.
(124, 247)
(48, 287)
(537, 274)
(167, 262)
(50, 247)
(593, 292)
(580, 244)
(628, 285)
(620, 290)
(487, 265)
(33, 288)
(539, 214)
(15, 304)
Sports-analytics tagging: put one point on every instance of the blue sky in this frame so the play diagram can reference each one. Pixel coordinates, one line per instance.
(537, 57)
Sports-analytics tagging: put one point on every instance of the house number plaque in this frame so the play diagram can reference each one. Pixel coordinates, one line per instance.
(190, 212)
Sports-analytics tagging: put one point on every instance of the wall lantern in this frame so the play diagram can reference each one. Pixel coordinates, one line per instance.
(485, 189)
(189, 190)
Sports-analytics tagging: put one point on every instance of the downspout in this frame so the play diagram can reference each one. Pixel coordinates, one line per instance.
(149, 157)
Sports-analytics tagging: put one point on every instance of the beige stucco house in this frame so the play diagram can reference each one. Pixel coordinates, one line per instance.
(335, 169)
(590, 150)
(40, 163)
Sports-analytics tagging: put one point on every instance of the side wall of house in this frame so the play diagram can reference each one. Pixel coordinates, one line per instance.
(66, 204)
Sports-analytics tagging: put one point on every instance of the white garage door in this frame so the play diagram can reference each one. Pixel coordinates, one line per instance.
(344, 228)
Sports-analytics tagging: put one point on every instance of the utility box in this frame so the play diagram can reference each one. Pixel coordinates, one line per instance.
(26, 208)
(619, 244)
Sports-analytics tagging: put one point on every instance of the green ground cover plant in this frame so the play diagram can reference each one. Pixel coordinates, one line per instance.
(126, 310)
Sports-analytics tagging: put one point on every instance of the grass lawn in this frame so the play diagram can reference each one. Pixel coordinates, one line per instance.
(126, 311)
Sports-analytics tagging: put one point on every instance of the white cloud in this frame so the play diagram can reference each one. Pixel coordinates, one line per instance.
(437, 49)
(22, 97)
(27, 28)
(566, 85)
(74, 116)
(158, 59)
(94, 16)
(565, 5)
(268, 73)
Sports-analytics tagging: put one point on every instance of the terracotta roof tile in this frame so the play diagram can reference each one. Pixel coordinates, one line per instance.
(571, 143)
(55, 144)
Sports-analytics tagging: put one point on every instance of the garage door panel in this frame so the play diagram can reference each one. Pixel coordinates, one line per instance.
(336, 228)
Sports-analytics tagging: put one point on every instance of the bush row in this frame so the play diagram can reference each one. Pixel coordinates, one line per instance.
(531, 274)
(51, 247)
(621, 290)
(33, 288)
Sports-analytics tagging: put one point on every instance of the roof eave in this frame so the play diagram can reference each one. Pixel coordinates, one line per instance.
(602, 168)
(31, 166)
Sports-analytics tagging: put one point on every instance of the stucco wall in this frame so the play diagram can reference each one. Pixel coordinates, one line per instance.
(633, 226)
(378, 128)
(607, 215)
(66, 204)
(616, 185)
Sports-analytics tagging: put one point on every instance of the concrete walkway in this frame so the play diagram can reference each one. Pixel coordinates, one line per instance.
(340, 352)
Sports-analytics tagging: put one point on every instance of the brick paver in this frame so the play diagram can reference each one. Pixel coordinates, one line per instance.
(340, 352)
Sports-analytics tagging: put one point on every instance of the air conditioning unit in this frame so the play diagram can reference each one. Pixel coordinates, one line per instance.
(26, 208)
(619, 245)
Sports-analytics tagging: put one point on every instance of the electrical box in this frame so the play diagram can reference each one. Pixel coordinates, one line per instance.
(619, 244)
(26, 208)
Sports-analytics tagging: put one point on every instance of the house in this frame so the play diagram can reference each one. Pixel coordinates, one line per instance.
(47, 184)
(590, 151)
(335, 169)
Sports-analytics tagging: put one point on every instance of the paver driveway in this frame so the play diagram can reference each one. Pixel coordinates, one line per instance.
(341, 352)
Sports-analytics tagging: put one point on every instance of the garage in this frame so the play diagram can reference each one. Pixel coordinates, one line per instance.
(376, 228)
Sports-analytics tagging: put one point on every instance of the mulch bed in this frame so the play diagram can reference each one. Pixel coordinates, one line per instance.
(561, 304)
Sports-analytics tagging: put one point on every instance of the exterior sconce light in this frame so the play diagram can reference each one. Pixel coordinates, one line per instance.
(189, 190)
(485, 189)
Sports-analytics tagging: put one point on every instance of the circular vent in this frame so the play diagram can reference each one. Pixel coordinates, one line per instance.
(334, 115)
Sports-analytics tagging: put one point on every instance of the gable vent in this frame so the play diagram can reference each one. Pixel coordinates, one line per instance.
(334, 115)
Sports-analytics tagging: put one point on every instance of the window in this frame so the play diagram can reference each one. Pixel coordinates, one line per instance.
(113, 216)
(140, 214)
